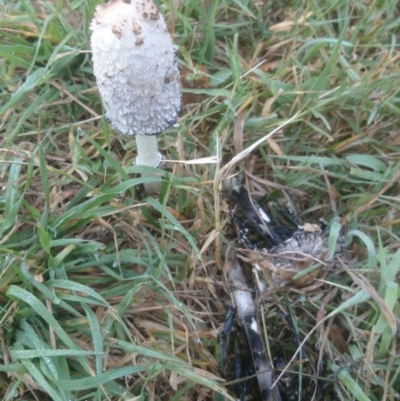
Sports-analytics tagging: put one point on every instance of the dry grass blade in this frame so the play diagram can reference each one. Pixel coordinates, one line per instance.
(226, 170)
(365, 285)
(238, 132)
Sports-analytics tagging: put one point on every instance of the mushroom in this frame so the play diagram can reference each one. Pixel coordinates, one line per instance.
(136, 72)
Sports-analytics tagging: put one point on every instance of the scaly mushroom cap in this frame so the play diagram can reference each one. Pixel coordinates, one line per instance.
(135, 67)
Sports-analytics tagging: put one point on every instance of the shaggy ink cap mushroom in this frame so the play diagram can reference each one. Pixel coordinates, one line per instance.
(136, 72)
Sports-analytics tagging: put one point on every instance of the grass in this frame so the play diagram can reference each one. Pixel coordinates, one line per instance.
(106, 296)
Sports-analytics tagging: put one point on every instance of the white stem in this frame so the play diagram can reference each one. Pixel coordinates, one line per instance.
(148, 154)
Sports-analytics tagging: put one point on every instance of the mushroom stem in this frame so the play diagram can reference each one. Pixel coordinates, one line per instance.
(148, 154)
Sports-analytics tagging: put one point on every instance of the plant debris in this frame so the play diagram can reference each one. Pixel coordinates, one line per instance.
(282, 256)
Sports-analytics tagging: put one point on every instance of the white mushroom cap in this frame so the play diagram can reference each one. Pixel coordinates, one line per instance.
(135, 67)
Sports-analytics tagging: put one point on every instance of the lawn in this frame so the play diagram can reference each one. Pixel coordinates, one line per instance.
(108, 294)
